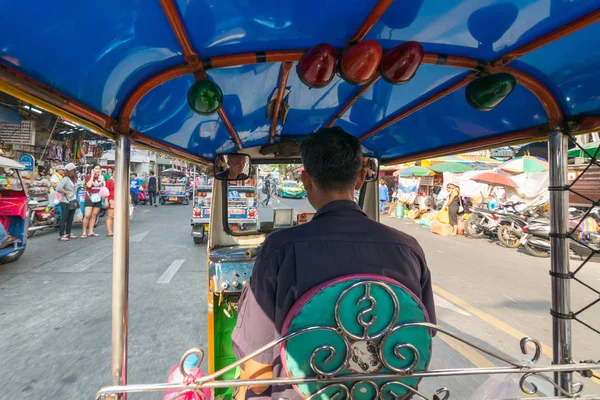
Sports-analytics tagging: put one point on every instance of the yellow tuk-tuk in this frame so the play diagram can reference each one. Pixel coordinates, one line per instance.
(206, 80)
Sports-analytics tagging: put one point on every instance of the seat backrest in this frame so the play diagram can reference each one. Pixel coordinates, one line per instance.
(354, 325)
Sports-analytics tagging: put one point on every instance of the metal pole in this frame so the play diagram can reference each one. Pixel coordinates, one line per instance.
(194, 188)
(120, 290)
(559, 256)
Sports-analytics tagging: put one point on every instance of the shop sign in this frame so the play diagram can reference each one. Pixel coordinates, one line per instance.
(28, 161)
(23, 133)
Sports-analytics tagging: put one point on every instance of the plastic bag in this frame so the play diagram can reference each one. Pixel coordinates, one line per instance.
(78, 216)
(443, 216)
(499, 387)
(54, 199)
(104, 192)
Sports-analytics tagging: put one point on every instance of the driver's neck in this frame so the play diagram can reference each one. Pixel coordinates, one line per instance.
(320, 199)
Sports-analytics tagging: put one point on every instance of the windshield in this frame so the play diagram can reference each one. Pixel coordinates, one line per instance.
(273, 198)
(9, 180)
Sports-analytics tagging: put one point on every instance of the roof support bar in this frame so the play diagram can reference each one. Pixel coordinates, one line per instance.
(193, 66)
(370, 21)
(527, 134)
(172, 14)
(346, 106)
(585, 125)
(428, 58)
(155, 145)
(553, 36)
(286, 67)
(229, 126)
(419, 106)
(234, 60)
(145, 87)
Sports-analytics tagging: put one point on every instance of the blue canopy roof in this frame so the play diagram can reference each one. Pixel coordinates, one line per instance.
(94, 59)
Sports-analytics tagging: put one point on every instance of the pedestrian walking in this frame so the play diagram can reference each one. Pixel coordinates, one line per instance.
(93, 202)
(267, 190)
(384, 196)
(134, 188)
(153, 189)
(68, 202)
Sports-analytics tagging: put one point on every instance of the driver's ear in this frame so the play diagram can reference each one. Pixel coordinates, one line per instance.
(361, 179)
(306, 181)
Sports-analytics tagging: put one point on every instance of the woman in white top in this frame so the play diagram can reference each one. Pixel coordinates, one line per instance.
(66, 187)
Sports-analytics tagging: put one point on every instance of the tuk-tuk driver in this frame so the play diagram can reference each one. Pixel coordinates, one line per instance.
(340, 240)
(236, 163)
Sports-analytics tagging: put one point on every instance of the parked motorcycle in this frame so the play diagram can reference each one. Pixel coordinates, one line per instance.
(143, 197)
(504, 223)
(41, 217)
(510, 229)
(536, 237)
(482, 222)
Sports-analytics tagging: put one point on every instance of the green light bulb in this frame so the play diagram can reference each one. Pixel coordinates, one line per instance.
(205, 97)
(486, 92)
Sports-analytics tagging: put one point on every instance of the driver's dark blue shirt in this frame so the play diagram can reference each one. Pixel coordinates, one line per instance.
(340, 240)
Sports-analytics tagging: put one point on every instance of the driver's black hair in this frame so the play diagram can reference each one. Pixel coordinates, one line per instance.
(333, 158)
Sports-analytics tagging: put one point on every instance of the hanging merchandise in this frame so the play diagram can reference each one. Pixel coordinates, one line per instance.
(86, 147)
(98, 152)
(81, 150)
(68, 150)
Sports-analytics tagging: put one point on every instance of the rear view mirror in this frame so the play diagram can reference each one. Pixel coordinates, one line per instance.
(232, 167)
(371, 164)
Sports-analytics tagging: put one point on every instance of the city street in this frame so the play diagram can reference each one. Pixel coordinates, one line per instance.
(56, 303)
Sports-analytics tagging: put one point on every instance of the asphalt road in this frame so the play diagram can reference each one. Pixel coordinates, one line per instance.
(55, 309)
(299, 206)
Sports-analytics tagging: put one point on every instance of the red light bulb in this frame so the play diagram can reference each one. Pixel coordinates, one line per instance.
(316, 68)
(359, 63)
(400, 64)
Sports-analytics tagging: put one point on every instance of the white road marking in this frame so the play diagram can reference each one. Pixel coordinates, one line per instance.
(170, 272)
(443, 303)
(510, 298)
(139, 236)
(86, 263)
(145, 211)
